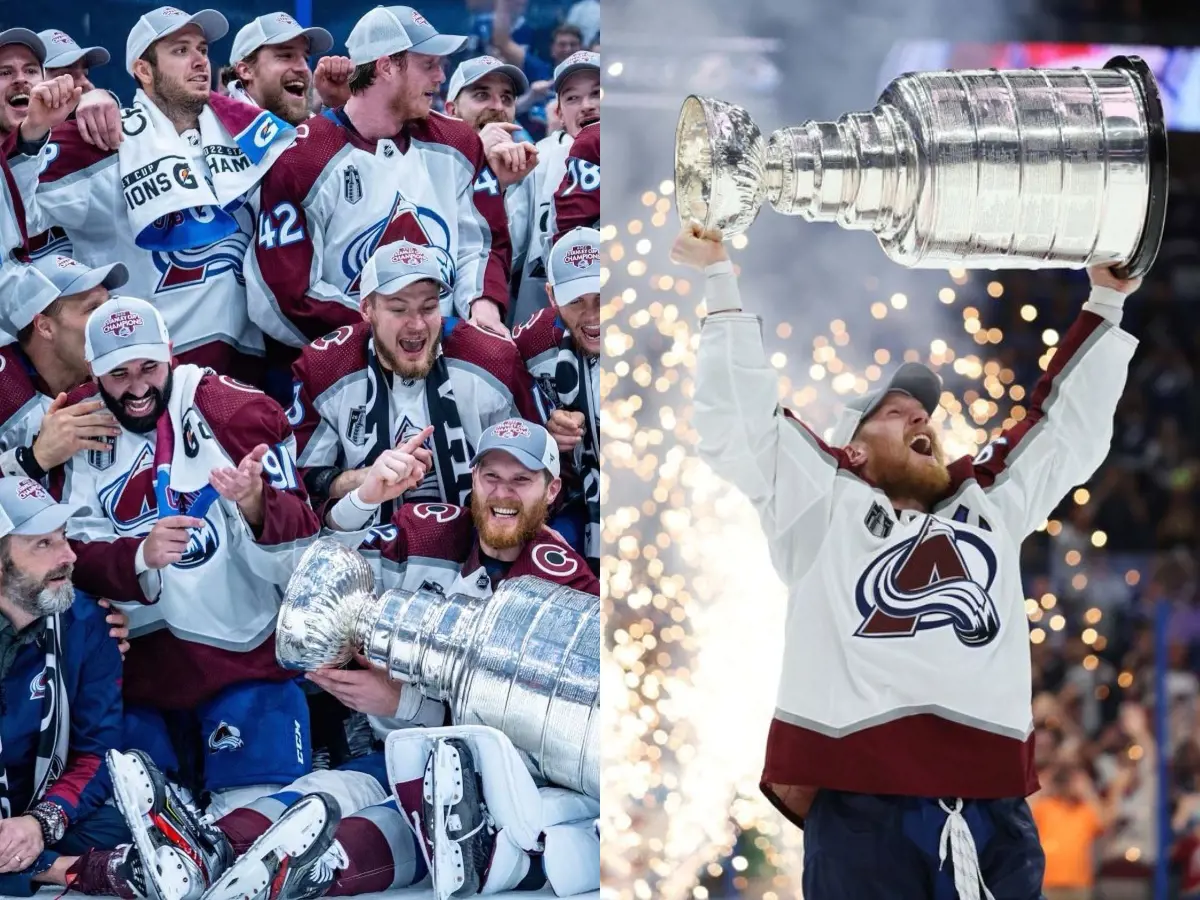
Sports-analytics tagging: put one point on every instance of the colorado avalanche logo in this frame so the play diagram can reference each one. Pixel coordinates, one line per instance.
(554, 561)
(406, 222)
(184, 268)
(226, 737)
(581, 256)
(37, 687)
(939, 578)
(127, 501)
(439, 512)
(201, 547)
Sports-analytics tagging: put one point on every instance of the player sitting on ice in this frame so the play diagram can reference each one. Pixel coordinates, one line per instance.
(304, 841)
(903, 729)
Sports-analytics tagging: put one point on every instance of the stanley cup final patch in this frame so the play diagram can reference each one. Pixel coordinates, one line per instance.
(878, 522)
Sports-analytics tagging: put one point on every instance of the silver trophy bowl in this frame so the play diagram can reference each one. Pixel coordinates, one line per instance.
(974, 169)
(525, 661)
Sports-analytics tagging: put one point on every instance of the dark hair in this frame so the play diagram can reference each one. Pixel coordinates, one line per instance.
(364, 73)
(26, 333)
(226, 75)
(567, 28)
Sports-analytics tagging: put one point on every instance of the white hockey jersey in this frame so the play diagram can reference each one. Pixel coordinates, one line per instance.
(23, 403)
(547, 176)
(906, 667)
(333, 198)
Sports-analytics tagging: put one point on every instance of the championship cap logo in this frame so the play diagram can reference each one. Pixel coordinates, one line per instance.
(511, 428)
(581, 256)
(60, 37)
(285, 19)
(64, 262)
(580, 56)
(172, 11)
(419, 19)
(30, 488)
(410, 256)
(122, 323)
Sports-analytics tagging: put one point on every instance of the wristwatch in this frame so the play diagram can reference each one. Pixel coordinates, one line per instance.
(53, 821)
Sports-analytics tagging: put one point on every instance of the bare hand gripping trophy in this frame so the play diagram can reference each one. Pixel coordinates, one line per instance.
(526, 661)
(981, 169)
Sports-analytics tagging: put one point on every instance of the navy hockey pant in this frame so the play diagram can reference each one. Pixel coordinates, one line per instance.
(870, 847)
(102, 829)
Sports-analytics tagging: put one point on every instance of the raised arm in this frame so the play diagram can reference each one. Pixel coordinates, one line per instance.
(746, 437)
(1068, 429)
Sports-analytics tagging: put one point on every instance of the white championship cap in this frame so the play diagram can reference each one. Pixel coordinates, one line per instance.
(576, 62)
(122, 329)
(27, 508)
(377, 34)
(527, 442)
(574, 268)
(277, 28)
(62, 51)
(158, 23)
(68, 277)
(473, 69)
(397, 265)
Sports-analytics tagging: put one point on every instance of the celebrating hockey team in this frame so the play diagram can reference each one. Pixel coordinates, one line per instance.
(299, 379)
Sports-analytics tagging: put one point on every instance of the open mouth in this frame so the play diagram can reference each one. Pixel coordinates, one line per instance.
(591, 332)
(588, 120)
(141, 407)
(296, 88)
(19, 101)
(922, 444)
(413, 347)
(504, 512)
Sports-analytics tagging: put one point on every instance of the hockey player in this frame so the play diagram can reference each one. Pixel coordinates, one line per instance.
(170, 202)
(561, 348)
(38, 430)
(65, 57)
(577, 200)
(383, 168)
(179, 517)
(298, 843)
(903, 718)
(577, 84)
(270, 58)
(60, 678)
(403, 367)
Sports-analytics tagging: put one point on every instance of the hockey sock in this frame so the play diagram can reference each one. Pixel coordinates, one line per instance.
(382, 850)
(247, 824)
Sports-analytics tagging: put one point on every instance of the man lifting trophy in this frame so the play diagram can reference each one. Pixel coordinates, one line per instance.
(902, 740)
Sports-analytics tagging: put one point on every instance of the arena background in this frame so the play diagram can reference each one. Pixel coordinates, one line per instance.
(694, 609)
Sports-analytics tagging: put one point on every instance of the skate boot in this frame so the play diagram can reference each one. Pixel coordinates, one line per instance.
(180, 852)
(458, 829)
(296, 858)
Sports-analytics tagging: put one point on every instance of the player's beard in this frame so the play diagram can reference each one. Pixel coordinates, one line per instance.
(35, 595)
(411, 371)
(905, 475)
(516, 531)
(173, 98)
(139, 424)
(490, 115)
(289, 107)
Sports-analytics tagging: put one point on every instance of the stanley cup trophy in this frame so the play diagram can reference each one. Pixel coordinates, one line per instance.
(978, 169)
(526, 661)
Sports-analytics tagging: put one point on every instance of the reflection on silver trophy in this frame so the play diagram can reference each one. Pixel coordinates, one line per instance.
(525, 662)
(979, 169)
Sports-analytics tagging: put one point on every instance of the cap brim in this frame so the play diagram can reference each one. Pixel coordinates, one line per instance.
(571, 70)
(919, 382)
(91, 56)
(440, 45)
(27, 38)
(47, 521)
(102, 365)
(520, 82)
(396, 284)
(319, 40)
(112, 276)
(214, 25)
(570, 291)
(524, 457)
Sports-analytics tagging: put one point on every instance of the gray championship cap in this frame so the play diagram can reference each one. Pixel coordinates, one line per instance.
(574, 268)
(472, 70)
(917, 380)
(26, 37)
(277, 28)
(377, 34)
(397, 265)
(158, 23)
(123, 329)
(68, 277)
(576, 62)
(425, 38)
(62, 51)
(527, 442)
(27, 508)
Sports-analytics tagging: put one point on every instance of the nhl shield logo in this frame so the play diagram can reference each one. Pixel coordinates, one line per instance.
(940, 578)
(103, 459)
(356, 427)
(353, 190)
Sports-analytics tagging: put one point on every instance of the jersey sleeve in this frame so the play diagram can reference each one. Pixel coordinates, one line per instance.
(1067, 431)
(484, 249)
(84, 785)
(286, 291)
(77, 185)
(577, 200)
(785, 470)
